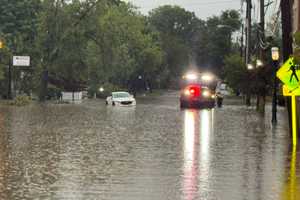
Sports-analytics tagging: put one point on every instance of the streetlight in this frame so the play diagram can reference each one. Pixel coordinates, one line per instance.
(259, 63)
(275, 53)
(101, 89)
(250, 67)
(275, 58)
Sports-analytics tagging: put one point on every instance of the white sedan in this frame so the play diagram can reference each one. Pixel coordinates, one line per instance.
(120, 99)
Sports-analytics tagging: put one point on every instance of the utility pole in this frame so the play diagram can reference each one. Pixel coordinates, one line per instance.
(248, 43)
(262, 27)
(286, 18)
(9, 95)
(287, 41)
(242, 42)
(262, 47)
(248, 31)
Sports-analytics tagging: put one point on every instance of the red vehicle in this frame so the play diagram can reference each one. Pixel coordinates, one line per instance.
(197, 92)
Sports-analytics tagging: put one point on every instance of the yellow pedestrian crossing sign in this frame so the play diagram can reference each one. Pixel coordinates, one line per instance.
(289, 74)
(287, 92)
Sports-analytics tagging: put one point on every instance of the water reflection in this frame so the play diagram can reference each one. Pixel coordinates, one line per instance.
(292, 190)
(90, 151)
(197, 133)
(3, 157)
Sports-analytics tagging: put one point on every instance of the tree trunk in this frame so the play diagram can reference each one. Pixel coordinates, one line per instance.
(44, 86)
(257, 102)
(248, 99)
(262, 103)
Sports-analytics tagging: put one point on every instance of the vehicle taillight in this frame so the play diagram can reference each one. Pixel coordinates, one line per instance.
(192, 91)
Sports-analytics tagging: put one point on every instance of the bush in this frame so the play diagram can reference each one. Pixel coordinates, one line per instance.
(20, 101)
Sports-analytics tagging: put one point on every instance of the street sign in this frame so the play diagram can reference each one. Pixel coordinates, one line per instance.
(21, 61)
(287, 92)
(289, 74)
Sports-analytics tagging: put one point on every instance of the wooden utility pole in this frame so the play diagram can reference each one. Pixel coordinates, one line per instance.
(248, 31)
(287, 41)
(262, 27)
(248, 44)
(261, 96)
(242, 42)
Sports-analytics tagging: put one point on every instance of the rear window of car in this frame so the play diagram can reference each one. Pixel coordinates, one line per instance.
(120, 95)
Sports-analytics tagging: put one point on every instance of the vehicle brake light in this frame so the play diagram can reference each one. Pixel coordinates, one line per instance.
(192, 91)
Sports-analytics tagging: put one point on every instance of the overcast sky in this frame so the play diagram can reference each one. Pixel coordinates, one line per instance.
(202, 8)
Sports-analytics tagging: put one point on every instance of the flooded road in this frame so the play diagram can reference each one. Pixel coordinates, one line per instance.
(152, 152)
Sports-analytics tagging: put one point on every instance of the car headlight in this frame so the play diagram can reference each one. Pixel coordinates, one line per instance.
(206, 77)
(206, 93)
(191, 76)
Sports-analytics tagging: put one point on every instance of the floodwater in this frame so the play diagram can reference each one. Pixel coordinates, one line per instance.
(154, 151)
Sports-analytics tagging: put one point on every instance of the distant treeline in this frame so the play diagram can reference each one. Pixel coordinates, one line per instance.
(82, 45)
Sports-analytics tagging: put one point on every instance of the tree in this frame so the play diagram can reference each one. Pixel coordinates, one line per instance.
(19, 19)
(179, 31)
(237, 76)
(120, 48)
(216, 41)
(62, 44)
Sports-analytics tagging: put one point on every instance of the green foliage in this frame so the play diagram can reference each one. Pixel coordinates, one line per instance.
(297, 47)
(18, 20)
(120, 47)
(20, 101)
(236, 73)
(215, 42)
(80, 45)
(178, 32)
(18, 30)
(175, 21)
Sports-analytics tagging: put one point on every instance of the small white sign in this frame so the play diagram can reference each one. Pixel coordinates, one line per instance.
(21, 61)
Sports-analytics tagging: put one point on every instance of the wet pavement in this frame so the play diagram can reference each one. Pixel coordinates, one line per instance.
(152, 152)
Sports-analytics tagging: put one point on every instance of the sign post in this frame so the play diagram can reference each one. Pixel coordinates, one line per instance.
(289, 74)
(17, 61)
(294, 119)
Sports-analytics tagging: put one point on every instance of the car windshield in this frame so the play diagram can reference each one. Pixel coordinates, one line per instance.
(120, 94)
